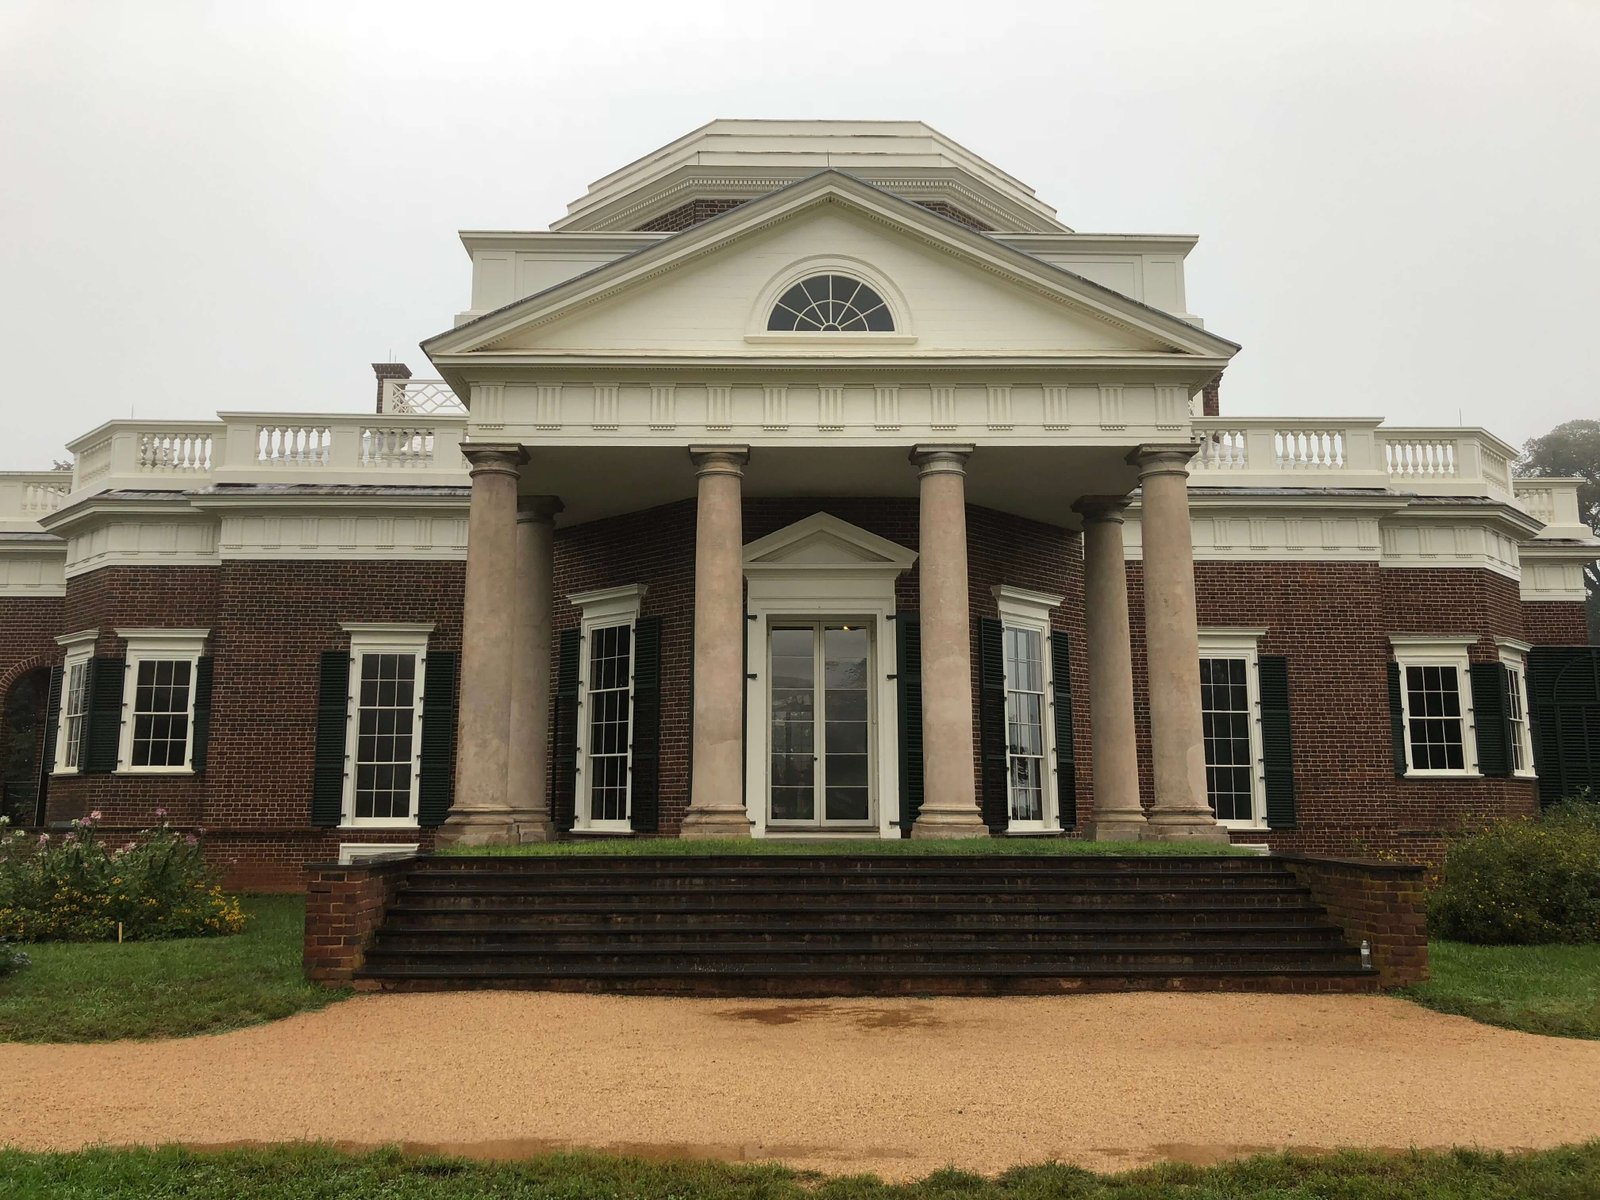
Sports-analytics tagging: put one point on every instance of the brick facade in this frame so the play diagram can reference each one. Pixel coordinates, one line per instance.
(344, 907)
(270, 621)
(1381, 903)
(1556, 622)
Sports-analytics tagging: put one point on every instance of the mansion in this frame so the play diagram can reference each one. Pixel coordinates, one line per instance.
(807, 479)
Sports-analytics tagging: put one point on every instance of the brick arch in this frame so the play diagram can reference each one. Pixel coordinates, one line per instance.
(23, 667)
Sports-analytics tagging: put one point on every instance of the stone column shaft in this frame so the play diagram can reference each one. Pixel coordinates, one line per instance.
(1172, 647)
(1117, 813)
(716, 785)
(528, 769)
(949, 799)
(481, 812)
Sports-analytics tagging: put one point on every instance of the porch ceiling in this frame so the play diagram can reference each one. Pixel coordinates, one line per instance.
(1037, 482)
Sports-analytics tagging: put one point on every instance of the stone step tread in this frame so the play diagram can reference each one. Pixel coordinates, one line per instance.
(717, 949)
(731, 906)
(908, 970)
(597, 929)
(895, 862)
(860, 889)
(695, 868)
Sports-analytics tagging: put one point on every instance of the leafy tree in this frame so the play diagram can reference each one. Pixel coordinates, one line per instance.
(1573, 448)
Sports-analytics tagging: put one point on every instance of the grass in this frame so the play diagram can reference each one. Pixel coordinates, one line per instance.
(902, 846)
(1537, 989)
(96, 991)
(304, 1172)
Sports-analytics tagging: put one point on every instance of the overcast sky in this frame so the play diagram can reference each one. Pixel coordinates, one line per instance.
(241, 205)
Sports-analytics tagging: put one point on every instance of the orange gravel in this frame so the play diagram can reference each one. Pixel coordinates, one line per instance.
(896, 1087)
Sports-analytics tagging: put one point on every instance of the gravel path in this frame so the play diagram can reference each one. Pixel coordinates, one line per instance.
(897, 1087)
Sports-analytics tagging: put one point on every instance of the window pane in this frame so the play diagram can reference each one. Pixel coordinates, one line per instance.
(386, 736)
(160, 713)
(608, 705)
(1434, 720)
(1225, 719)
(1025, 708)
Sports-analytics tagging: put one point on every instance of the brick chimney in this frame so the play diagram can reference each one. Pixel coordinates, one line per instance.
(1210, 402)
(388, 371)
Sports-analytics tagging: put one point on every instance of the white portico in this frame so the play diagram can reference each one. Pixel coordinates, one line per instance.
(825, 337)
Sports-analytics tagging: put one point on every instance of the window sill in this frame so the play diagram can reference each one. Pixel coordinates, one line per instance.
(154, 771)
(1415, 774)
(378, 825)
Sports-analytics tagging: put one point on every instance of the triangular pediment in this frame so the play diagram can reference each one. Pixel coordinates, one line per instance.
(706, 293)
(824, 542)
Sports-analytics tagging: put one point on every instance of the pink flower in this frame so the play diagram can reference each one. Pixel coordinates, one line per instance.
(161, 812)
(68, 838)
(191, 840)
(44, 839)
(95, 815)
(127, 846)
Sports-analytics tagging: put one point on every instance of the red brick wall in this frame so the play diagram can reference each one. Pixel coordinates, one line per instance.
(344, 907)
(1332, 621)
(1381, 903)
(1556, 622)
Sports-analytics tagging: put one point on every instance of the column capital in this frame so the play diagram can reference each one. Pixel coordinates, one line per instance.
(1163, 458)
(1101, 508)
(941, 459)
(719, 460)
(538, 508)
(495, 458)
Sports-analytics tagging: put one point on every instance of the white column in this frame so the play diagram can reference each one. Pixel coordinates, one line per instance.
(1172, 648)
(949, 797)
(716, 785)
(481, 812)
(528, 769)
(1117, 815)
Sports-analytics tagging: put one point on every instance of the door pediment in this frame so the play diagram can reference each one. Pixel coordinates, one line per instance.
(823, 542)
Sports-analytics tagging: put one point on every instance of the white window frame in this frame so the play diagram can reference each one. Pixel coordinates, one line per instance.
(1226, 642)
(158, 645)
(385, 637)
(1027, 610)
(607, 608)
(1431, 651)
(1514, 657)
(80, 649)
(352, 853)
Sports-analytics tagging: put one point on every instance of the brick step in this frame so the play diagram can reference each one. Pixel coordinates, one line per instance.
(530, 882)
(922, 899)
(718, 956)
(804, 980)
(1023, 935)
(733, 909)
(972, 867)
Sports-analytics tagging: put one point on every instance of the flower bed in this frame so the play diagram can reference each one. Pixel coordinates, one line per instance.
(72, 887)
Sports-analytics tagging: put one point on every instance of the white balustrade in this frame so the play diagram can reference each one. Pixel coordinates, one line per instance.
(1420, 458)
(173, 451)
(397, 446)
(294, 445)
(1222, 450)
(40, 499)
(1309, 449)
(1538, 502)
(419, 397)
(92, 461)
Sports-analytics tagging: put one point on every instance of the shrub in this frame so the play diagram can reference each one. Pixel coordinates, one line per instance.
(72, 888)
(1524, 882)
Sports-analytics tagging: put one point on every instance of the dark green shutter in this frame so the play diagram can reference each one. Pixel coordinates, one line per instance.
(333, 709)
(1491, 716)
(564, 748)
(1397, 720)
(908, 705)
(47, 755)
(996, 802)
(1066, 756)
(1277, 746)
(436, 776)
(201, 741)
(645, 778)
(1564, 706)
(102, 735)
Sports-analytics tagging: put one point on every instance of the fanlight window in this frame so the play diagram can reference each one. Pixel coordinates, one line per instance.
(831, 304)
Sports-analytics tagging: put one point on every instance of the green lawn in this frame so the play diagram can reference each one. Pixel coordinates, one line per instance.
(95, 992)
(1537, 989)
(302, 1173)
(932, 848)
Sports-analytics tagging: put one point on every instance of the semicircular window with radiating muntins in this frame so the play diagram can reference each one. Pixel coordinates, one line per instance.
(830, 304)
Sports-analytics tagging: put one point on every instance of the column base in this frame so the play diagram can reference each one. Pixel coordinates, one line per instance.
(1186, 829)
(492, 827)
(949, 825)
(1116, 828)
(702, 823)
(534, 827)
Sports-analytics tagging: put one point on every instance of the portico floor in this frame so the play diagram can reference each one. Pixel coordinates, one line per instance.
(896, 1087)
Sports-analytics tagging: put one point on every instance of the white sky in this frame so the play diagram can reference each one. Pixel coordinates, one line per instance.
(241, 205)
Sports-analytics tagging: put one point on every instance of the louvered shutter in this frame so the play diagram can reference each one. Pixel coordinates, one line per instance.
(908, 708)
(436, 779)
(47, 754)
(200, 743)
(1061, 703)
(996, 802)
(1277, 746)
(564, 746)
(1491, 717)
(1397, 720)
(1564, 704)
(645, 779)
(102, 735)
(333, 708)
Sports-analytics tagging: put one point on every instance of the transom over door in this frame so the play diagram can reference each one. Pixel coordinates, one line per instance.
(820, 756)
